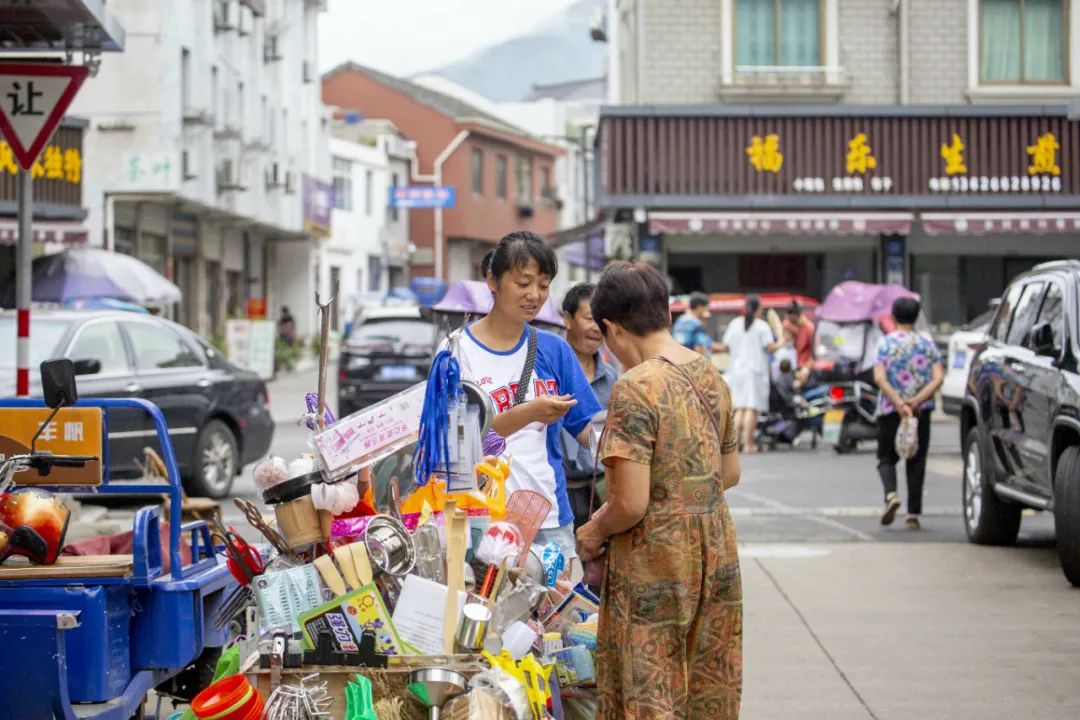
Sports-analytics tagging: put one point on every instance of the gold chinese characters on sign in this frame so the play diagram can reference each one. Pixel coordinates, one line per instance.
(954, 156)
(1044, 155)
(765, 153)
(860, 156)
(55, 163)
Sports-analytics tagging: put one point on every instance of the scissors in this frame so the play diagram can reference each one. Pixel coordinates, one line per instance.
(244, 561)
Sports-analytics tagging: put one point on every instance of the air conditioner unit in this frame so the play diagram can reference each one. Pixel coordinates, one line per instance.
(290, 182)
(225, 15)
(619, 241)
(270, 49)
(274, 176)
(228, 176)
(189, 159)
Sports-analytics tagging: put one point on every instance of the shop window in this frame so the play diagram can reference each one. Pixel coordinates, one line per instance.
(524, 180)
(771, 33)
(124, 240)
(342, 184)
(477, 171)
(772, 272)
(1022, 41)
(500, 176)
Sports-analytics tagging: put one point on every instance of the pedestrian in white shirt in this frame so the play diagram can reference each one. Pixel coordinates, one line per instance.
(750, 341)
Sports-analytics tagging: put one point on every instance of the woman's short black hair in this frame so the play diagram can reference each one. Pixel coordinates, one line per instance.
(582, 292)
(485, 264)
(517, 249)
(905, 310)
(634, 295)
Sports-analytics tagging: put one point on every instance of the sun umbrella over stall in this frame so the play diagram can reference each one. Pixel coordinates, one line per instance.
(93, 273)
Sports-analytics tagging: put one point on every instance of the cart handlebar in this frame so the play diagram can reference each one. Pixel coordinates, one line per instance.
(173, 489)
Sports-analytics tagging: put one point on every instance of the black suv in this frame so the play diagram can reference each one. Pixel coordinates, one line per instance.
(1020, 424)
(388, 350)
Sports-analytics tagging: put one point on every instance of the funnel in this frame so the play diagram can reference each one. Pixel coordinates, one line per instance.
(433, 687)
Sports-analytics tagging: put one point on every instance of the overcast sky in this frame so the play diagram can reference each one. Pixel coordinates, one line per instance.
(408, 36)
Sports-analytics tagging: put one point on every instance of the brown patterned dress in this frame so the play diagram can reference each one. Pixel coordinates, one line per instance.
(670, 636)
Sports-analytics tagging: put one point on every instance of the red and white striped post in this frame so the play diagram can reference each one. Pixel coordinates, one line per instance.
(23, 269)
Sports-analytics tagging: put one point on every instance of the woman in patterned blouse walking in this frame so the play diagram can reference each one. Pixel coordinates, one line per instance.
(670, 636)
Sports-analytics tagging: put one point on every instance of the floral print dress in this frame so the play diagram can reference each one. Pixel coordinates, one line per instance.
(909, 359)
(670, 635)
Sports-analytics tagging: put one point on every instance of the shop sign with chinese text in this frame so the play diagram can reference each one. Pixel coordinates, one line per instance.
(74, 431)
(836, 156)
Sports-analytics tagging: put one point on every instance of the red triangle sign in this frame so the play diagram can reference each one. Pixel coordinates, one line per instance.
(33, 100)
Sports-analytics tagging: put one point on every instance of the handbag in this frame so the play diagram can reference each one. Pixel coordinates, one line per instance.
(594, 571)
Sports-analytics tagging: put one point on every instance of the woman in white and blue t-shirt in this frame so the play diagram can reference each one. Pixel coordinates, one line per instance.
(493, 352)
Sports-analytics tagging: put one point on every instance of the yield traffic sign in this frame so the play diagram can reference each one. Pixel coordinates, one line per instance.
(33, 99)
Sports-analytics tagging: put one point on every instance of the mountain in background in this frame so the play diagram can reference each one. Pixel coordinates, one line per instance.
(559, 50)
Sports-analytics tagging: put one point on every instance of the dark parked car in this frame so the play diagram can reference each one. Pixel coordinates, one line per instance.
(1020, 424)
(388, 350)
(217, 413)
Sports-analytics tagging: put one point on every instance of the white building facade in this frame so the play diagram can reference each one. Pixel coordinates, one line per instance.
(368, 250)
(207, 154)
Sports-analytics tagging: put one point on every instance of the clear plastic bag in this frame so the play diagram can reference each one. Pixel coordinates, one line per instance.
(907, 438)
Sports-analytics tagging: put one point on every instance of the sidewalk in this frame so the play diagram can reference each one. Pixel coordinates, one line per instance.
(287, 390)
(906, 632)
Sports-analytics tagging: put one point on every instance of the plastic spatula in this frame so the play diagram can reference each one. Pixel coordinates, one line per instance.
(527, 509)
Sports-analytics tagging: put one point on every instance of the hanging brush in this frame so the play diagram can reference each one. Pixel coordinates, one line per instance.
(443, 392)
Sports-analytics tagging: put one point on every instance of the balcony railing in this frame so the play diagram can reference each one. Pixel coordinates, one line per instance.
(790, 75)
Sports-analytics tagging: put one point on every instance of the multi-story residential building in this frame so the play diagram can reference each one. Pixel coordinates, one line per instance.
(207, 157)
(930, 142)
(368, 248)
(503, 177)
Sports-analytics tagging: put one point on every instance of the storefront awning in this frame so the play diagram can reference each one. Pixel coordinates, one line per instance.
(1038, 223)
(573, 248)
(793, 223)
(44, 232)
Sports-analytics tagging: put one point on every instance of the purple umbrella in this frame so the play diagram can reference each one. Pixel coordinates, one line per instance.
(86, 273)
(855, 301)
(474, 297)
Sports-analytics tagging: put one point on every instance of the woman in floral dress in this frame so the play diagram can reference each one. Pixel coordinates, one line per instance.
(670, 636)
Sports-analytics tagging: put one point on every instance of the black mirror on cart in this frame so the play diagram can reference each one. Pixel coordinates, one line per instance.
(58, 383)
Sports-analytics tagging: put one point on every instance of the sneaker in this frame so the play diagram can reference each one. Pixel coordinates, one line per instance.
(892, 504)
(913, 522)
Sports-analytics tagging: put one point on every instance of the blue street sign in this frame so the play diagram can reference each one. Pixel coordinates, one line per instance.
(423, 196)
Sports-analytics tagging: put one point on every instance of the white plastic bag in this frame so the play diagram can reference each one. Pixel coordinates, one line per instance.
(907, 437)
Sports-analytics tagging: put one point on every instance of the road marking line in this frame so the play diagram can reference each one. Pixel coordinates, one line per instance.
(782, 509)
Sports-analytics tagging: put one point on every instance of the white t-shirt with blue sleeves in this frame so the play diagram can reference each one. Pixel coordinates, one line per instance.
(537, 456)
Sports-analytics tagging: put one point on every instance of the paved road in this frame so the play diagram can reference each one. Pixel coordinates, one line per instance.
(846, 619)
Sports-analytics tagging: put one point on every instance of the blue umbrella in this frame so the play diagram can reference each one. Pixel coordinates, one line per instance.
(92, 273)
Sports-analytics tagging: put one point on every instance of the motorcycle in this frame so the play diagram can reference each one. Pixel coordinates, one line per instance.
(851, 321)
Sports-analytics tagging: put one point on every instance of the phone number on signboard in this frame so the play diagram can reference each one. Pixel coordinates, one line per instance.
(842, 184)
(1013, 183)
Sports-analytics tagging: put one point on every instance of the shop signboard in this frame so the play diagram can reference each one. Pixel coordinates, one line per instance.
(57, 173)
(318, 206)
(73, 431)
(899, 159)
(423, 196)
(250, 344)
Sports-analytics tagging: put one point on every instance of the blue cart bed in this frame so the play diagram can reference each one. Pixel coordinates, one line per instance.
(90, 636)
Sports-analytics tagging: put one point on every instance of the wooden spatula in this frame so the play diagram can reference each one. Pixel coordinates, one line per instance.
(456, 527)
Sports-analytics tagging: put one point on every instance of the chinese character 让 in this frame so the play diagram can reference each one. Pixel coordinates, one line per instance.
(860, 157)
(22, 103)
(765, 153)
(1044, 155)
(953, 155)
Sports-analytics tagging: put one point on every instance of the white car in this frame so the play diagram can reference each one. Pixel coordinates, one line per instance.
(962, 346)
